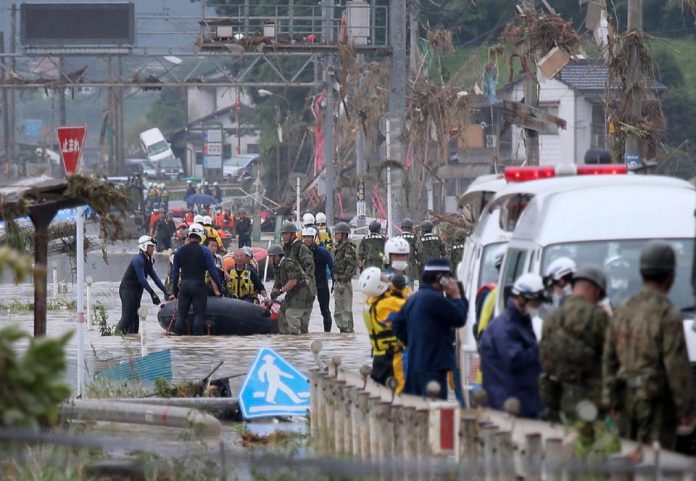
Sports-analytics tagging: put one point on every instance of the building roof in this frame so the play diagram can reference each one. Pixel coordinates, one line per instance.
(591, 75)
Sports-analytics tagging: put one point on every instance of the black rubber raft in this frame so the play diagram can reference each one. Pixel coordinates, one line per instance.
(227, 317)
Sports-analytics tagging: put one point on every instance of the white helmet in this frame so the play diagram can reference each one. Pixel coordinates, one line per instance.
(198, 219)
(309, 232)
(162, 186)
(308, 219)
(197, 230)
(396, 245)
(144, 241)
(371, 282)
(529, 286)
(321, 218)
(560, 268)
(207, 220)
(215, 183)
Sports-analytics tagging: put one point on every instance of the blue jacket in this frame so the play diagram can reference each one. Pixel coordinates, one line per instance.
(425, 325)
(323, 263)
(510, 362)
(136, 274)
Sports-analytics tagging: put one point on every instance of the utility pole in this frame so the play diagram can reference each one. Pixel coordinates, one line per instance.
(5, 113)
(397, 95)
(531, 95)
(361, 168)
(413, 16)
(632, 152)
(329, 79)
(11, 104)
(120, 136)
(62, 115)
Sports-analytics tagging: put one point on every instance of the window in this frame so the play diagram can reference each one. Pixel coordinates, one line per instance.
(550, 108)
(598, 126)
(514, 266)
(252, 148)
(226, 151)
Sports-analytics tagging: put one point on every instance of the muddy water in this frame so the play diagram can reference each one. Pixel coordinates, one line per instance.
(192, 357)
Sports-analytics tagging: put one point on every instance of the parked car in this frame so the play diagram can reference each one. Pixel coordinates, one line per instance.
(239, 167)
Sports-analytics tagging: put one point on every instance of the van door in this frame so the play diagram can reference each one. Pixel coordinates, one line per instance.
(514, 265)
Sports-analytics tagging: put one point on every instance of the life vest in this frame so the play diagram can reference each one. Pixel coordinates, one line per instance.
(240, 285)
(324, 239)
(382, 337)
(212, 233)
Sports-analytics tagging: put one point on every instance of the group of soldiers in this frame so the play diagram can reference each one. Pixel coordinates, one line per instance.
(428, 245)
(631, 363)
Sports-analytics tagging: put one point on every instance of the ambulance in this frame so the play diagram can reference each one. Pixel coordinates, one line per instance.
(604, 220)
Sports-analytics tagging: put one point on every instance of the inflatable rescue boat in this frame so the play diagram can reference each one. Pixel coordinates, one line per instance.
(226, 316)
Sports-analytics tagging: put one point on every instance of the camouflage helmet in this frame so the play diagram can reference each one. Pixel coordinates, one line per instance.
(341, 228)
(460, 235)
(275, 250)
(407, 223)
(375, 226)
(657, 258)
(288, 227)
(593, 274)
(426, 226)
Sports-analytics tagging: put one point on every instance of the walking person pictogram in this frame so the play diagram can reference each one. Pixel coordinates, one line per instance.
(272, 374)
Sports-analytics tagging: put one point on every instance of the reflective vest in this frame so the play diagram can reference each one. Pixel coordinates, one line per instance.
(324, 239)
(376, 313)
(211, 233)
(240, 284)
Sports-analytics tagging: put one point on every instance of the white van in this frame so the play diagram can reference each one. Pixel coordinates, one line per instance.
(606, 220)
(155, 145)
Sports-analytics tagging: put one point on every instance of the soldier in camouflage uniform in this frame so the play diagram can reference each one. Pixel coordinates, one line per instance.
(571, 347)
(413, 271)
(429, 245)
(647, 378)
(345, 267)
(298, 251)
(457, 249)
(289, 279)
(371, 248)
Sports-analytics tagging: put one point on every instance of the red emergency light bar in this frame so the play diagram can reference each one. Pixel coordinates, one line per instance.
(605, 169)
(527, 173)
(523, 174)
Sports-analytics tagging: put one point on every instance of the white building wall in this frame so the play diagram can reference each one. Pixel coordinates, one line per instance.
(553, 149)
(200, 102)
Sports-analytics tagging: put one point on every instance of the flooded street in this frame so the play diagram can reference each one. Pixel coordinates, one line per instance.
(192, 357)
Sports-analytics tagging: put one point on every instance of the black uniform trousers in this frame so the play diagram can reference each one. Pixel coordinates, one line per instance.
(324, 298)
(191, 293)
(244, 240)
(130, 303)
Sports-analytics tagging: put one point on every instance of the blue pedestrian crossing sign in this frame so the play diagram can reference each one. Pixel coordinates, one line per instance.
(273, 387)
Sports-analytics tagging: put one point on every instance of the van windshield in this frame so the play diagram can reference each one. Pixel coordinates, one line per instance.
(158, 148)
(619, 259)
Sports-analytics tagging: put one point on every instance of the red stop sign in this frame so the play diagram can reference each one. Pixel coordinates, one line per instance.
(71, 140)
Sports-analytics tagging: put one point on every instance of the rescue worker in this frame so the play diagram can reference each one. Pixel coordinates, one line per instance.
(206, 189)
(308, 220)
(371, 248)
(211, 244)
(429, 246)
(244, 282)
(188, 218)
(323, 270)
(154, 217)
(647, 379)
(152, 196)
(191, 262)
(559, 276)
(457, 249)
(212, 233)
(345, 267)
(218, 192)
(243, 228)
(425, 325)
(387, 352)
(133, 283)
(509, 351)
(290, 282)
(571, 347)
(396, 254)
(413, 271)
(323, 234)
(190, 191)
(164, 197)
(296, 250)
(164, 230)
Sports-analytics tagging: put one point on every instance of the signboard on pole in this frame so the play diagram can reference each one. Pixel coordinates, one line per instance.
(71, 140)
